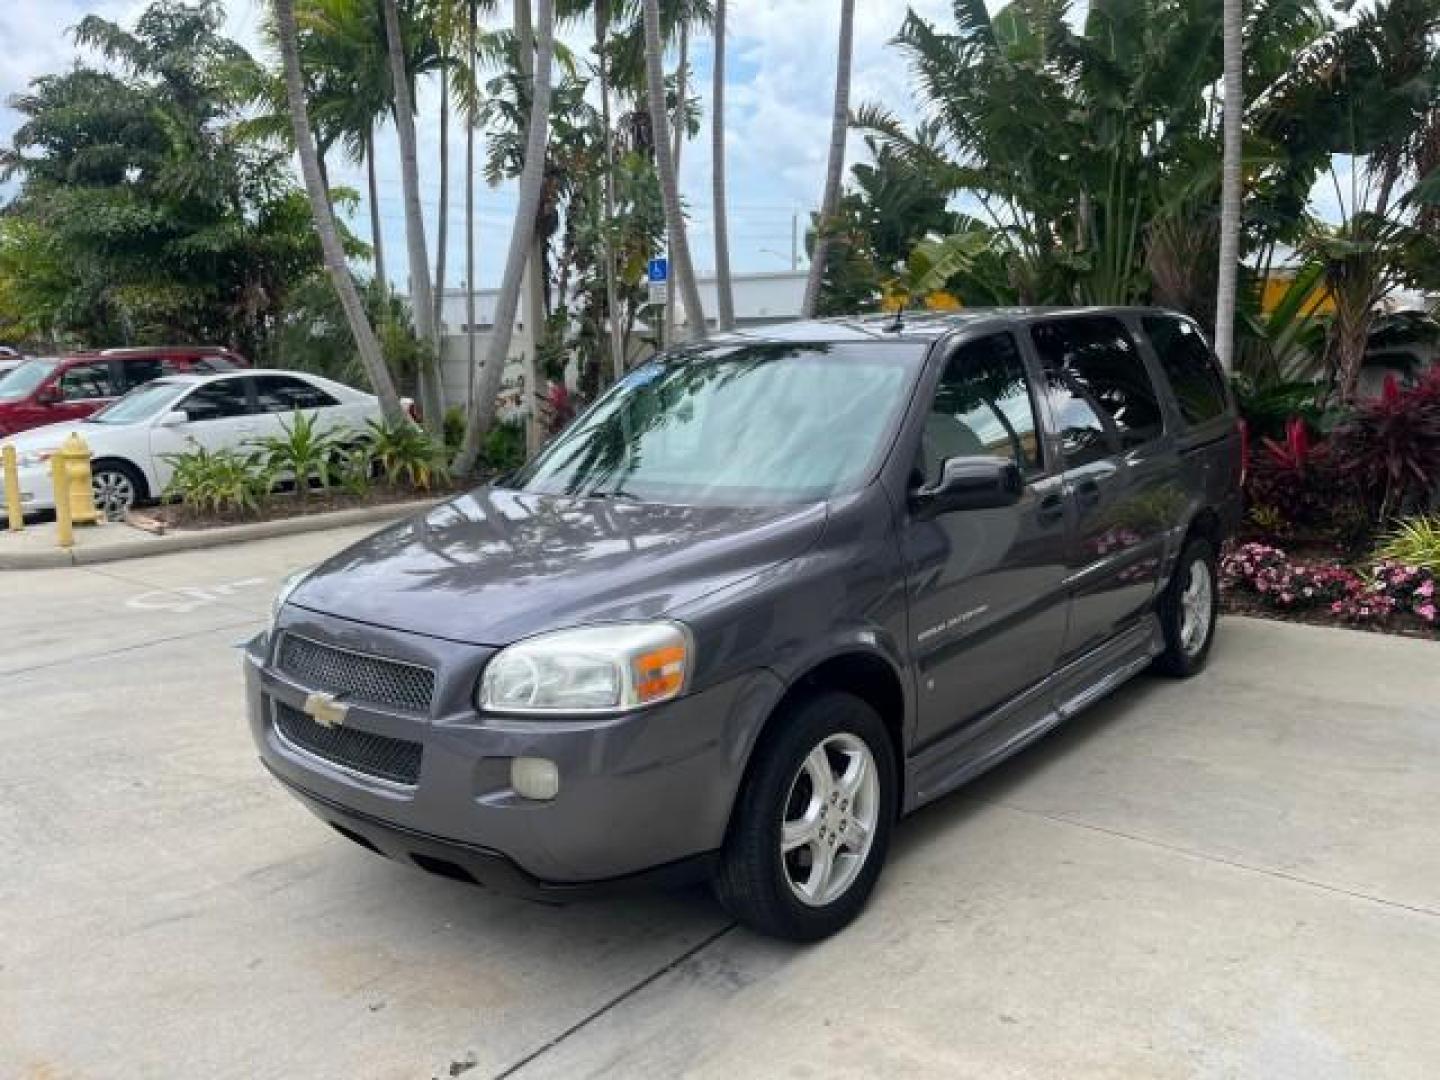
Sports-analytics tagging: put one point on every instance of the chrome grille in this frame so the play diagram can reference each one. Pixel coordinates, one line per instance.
(356, 677)
(394, 760)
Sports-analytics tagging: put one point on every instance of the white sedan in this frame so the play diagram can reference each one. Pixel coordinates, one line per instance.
(131, 439)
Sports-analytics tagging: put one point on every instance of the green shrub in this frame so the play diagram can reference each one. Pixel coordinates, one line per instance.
(454, 429)
(354, 470)
(304, 452)
(406, 454)
(218, 481)
(504, 448)
(1415, 542)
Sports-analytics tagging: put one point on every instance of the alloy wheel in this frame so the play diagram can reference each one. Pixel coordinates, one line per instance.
(114, 493)
(830, 819)
(1196, 601)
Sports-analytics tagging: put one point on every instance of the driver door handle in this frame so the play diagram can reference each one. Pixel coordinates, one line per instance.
(1087, 492)
(1051, 509)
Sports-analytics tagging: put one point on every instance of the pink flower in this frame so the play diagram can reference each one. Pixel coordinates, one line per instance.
(1426, 612)
(1427, 590)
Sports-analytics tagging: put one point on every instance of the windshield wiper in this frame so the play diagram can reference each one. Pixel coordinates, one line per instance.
(614, 493)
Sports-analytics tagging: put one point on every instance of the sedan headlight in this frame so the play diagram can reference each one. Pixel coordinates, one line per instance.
(589, 669)
(288, 585)
(33, 459)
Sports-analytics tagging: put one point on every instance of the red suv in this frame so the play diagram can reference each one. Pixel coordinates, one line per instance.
(55, 390)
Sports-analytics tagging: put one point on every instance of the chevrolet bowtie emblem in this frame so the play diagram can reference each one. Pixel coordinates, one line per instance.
(326, 710)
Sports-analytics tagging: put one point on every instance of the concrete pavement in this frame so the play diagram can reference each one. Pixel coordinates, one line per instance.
(1232, 877)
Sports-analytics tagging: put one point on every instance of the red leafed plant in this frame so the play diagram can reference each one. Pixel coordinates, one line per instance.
(558, 406)
(1389, 449)
(1297, 452)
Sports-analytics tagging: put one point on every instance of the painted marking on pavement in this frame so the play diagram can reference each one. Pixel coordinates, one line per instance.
(188, 598)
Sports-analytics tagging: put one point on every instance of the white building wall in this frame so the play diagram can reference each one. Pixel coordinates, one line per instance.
(760, 299)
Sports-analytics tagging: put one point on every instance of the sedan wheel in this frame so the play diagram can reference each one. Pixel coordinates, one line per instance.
(114, 493)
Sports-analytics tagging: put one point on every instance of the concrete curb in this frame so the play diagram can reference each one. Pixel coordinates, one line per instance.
(144, 545)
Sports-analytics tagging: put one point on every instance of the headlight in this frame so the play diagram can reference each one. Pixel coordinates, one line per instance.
(288, 585)
(590, 669)
(32, 459)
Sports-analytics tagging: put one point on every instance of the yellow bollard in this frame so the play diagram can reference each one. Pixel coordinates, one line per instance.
(74, 456)
(60, 481)
(12, 489)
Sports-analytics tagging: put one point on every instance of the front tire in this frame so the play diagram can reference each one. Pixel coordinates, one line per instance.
(1188, 609)
(118, 487)
(811, 828)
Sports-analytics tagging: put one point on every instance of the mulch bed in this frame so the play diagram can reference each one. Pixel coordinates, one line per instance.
(1234, 602)
(162, 519)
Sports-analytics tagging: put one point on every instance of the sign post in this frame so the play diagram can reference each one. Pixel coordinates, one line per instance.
(658, 275)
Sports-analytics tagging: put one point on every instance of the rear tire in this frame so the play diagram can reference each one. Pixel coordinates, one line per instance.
(1188, 609)
(811, 827)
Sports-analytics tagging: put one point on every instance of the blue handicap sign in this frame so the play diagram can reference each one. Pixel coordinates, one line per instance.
(659, 270)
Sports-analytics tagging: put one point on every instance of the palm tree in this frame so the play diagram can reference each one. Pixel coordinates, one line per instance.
(532, 178)
(421, 295)
(377, 234)
(683, 271)
(603, 17)
(472, 110)
(839, 127)
(371, 355)
(1230, 187)
(717, 153)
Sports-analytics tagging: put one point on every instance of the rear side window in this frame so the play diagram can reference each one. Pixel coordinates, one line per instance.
(281, 394)
(1186, 360)
(217, 401)
(86, 382)
(982, 408)
(1094, 359)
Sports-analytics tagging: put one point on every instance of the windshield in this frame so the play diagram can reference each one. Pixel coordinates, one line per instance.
(21, 382)
(735, 426)
(137, 405)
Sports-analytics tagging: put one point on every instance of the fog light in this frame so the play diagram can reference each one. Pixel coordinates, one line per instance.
(535, 778)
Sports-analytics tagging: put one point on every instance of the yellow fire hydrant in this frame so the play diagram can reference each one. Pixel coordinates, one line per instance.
(74, 495)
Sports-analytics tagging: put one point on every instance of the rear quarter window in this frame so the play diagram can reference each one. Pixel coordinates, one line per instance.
(1189, 366)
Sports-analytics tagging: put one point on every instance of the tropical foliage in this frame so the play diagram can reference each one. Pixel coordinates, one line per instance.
(144, 213)
(1089, 156)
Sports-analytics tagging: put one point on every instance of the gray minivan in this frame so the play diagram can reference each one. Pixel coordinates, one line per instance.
(768, 595)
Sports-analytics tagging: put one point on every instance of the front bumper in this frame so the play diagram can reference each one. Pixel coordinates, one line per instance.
(36, 492)
(484, 866)
(646, 793)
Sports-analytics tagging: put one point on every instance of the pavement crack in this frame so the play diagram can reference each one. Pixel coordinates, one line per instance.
(617, 1000)
(1234, 864)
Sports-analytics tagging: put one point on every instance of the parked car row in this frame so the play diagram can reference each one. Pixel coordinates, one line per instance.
(132, 439)
(52, 390)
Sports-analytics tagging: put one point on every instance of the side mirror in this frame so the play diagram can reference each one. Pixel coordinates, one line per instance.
(970, 483)
(174, 418)
(51, 395)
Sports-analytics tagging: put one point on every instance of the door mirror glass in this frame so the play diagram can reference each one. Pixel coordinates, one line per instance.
(174, 418)
(970, 483)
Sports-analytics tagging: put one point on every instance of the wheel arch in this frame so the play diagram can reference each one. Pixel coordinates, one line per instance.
(865, 673)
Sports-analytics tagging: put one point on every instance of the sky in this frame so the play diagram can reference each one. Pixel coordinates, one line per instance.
(779, 87)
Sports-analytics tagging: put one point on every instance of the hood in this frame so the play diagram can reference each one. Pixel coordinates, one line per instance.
(48, 437)
(494, 566)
